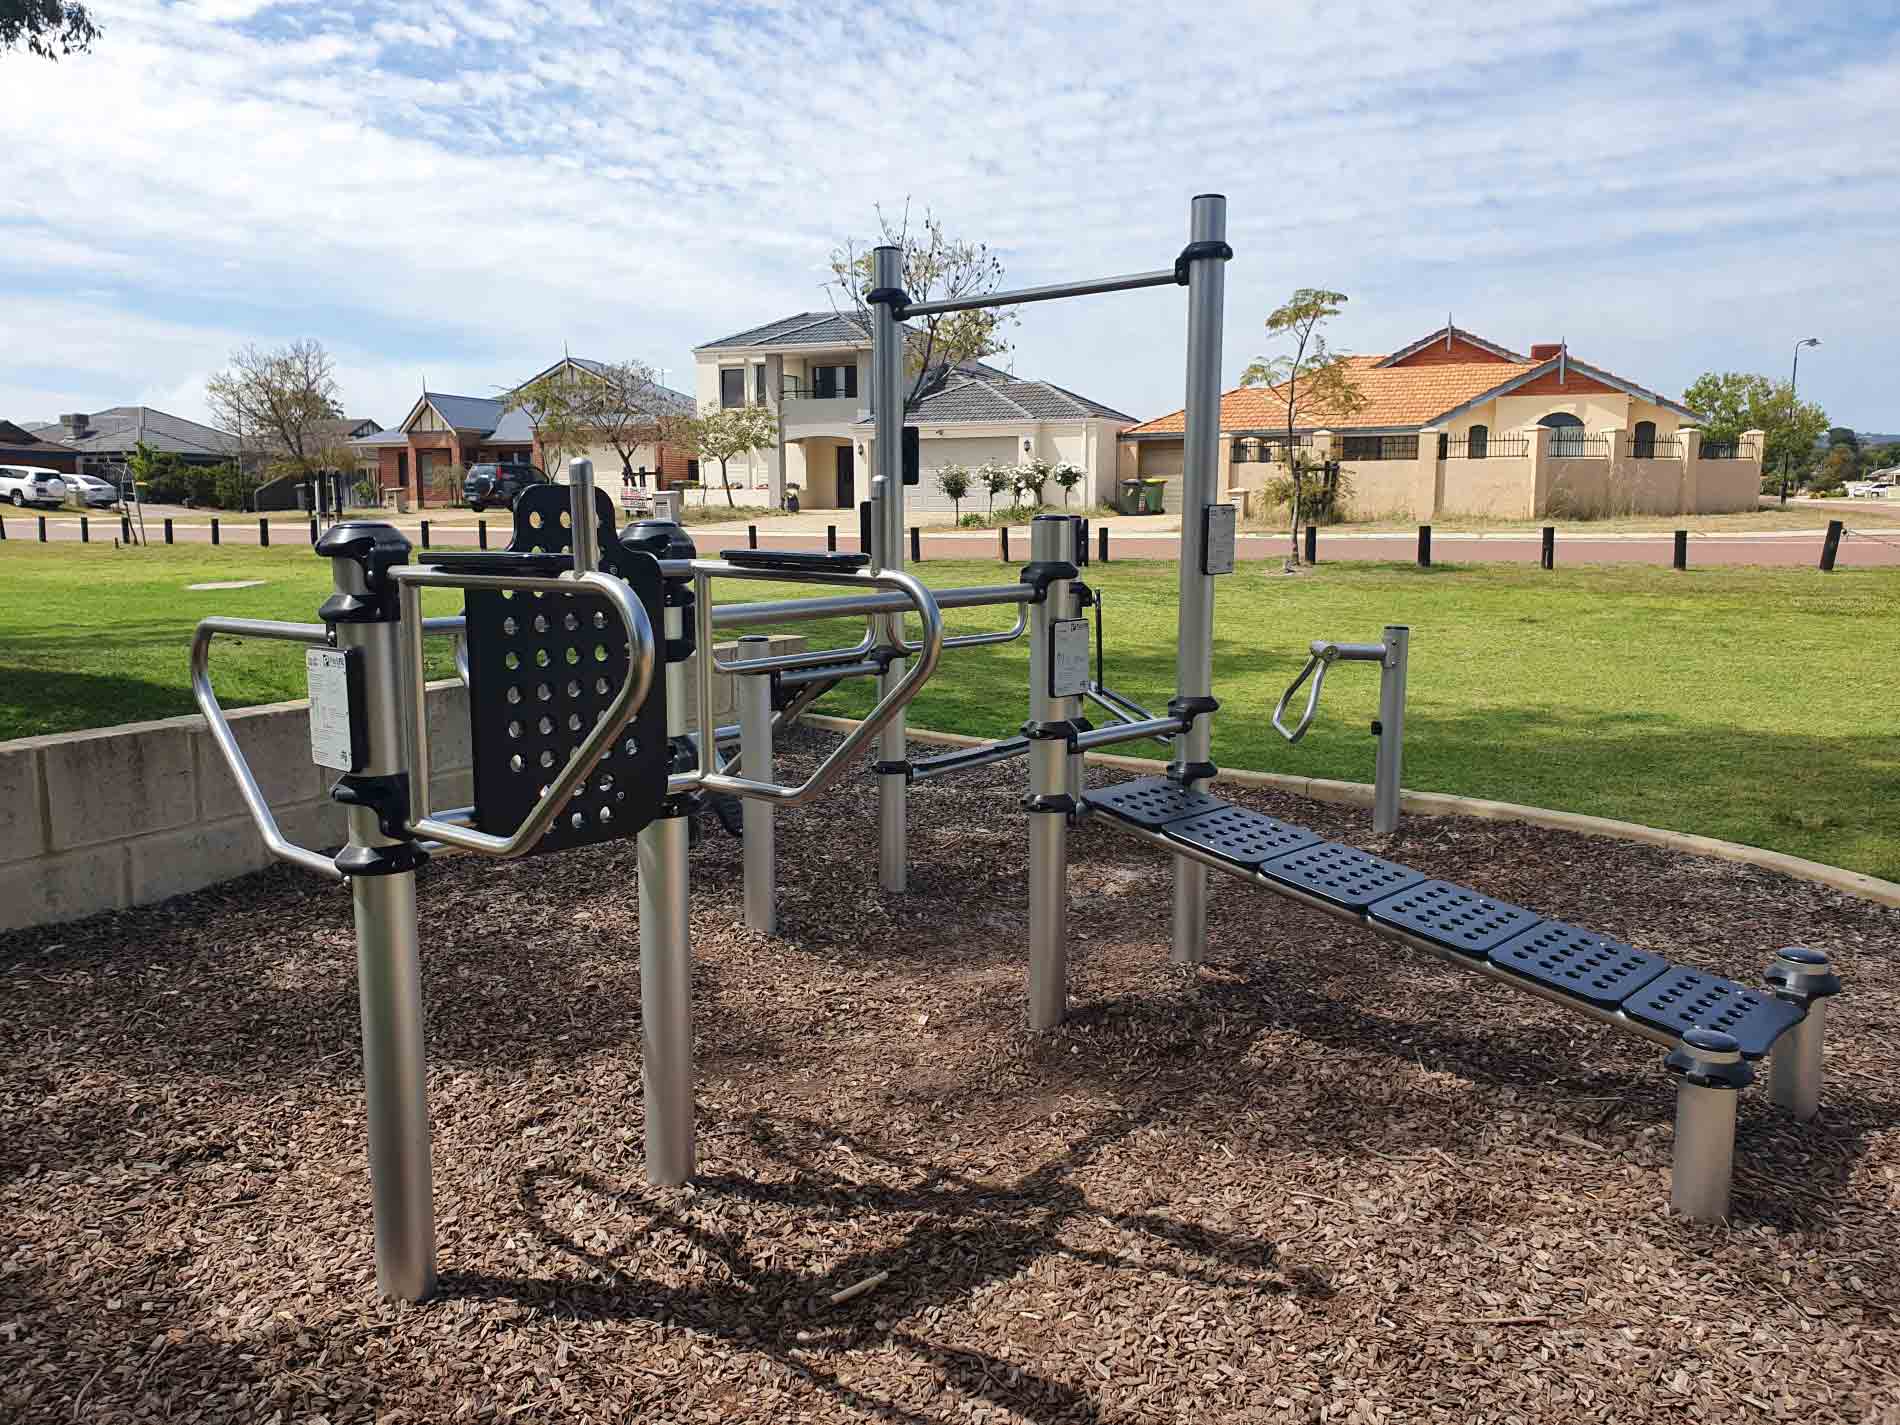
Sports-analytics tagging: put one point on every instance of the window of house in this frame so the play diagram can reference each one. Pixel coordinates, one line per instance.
(1566, 433)
(731, 386)
(758, 385)
(829, 382)
(1643, 440)
(1477, 442)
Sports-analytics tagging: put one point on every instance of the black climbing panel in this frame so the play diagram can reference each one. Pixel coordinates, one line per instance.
(1579, 962)
(1681, 999)
(543, 667)
(1244, 837)
(1152, 801)
(1341, 875)
(1456, 917)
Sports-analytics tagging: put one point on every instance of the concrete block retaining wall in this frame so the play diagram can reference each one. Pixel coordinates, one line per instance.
(122, 816)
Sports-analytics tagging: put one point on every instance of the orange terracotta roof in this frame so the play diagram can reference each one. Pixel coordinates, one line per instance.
(1395, 396)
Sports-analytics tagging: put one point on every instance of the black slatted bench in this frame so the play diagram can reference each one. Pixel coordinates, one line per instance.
(1713, 1027)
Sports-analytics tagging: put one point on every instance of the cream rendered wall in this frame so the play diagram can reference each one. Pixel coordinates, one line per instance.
(1598, 410)
(1503, 488)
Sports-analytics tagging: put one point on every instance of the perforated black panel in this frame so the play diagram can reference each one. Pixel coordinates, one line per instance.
(1579, 962)
(1456, 917)
(1151, 801)
(1341, 875)
(1244, 837)
(1681, 999)
(542, 668)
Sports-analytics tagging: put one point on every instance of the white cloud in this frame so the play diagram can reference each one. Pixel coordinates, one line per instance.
(462, 188)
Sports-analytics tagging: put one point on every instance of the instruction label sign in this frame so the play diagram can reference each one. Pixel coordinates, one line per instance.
(1217, 547)
(336, 707)
(1068, 657)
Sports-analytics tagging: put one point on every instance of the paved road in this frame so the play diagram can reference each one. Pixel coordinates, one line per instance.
(1782, 548)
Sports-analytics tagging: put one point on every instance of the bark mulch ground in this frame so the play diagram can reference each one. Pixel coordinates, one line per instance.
(1325, 1179)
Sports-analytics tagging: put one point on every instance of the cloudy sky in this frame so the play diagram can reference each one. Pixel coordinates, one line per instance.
(459, 189)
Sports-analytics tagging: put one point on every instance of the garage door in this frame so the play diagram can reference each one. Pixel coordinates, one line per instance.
(1163, 461)
(966, 450)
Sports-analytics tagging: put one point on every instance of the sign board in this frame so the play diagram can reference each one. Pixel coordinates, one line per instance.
(1217, 539)
(338, 739)
(1068, 657)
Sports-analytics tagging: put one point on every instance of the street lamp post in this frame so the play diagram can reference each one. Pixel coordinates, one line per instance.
(1794, 376)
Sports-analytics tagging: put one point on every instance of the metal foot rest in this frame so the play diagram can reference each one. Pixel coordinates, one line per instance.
(1456, 917)
(1340, 875)
(1151, 802)
(1681, 999)
(1244, 837)
(1574, 961)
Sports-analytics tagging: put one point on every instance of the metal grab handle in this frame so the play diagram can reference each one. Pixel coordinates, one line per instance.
(411, 580)
(1316, 666)
(315, 635)
(893, 702)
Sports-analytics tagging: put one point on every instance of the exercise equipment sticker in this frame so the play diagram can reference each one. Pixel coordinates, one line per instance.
(333, 733)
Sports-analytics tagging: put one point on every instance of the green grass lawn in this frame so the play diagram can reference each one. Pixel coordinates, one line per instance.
(1758, 705)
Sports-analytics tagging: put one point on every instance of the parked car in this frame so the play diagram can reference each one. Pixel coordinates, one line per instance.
(30, 485)
(91, 491)
(1875, 489)
(495, 486)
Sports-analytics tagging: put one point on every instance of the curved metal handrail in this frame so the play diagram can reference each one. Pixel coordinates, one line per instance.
(411, 580)
(893, 702)
(1315, 668)
(313, 634)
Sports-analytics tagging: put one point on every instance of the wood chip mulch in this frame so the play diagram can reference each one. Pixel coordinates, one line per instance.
(1323, 1179)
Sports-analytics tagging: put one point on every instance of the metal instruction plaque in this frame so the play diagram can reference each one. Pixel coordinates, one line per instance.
(1217, 543)
(337, 735)
(1068, 657)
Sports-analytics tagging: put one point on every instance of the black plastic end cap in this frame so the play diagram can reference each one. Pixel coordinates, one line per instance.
(893, 769)
(1057, 802)
(894, 297)
(1802, 975)
(663, 539)
(1182, 773)
(1709, 1058)
(380, 860)
(371, 543)
(1187, 709)
(1039, 575)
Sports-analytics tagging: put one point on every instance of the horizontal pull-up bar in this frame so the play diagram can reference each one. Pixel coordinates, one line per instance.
(1162, 278)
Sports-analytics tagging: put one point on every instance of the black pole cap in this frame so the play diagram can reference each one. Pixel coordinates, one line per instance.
(377, 548)
(663, 539)
(1709, 1058)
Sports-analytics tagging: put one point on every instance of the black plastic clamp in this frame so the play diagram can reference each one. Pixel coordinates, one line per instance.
(895, 297)
(1187, 709)
(386, 794)
(379, 860)
(900, 768)
(1378, 728)
(377, 548)
(1710, 1059)
(1181, 773)
(1084, 595)
(1207, 247)
(1801, 975)
(1039, 574)
(1062, 729)
(1059, 802)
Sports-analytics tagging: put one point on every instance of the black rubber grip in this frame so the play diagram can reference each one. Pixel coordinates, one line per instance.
(792, 561)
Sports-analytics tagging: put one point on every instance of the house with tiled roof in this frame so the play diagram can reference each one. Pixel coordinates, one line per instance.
(105, 440)
(1456, 424)
(814, 370)
(427, 453)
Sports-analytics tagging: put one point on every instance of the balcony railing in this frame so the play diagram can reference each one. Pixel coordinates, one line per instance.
(1497, 447)
(799, 391)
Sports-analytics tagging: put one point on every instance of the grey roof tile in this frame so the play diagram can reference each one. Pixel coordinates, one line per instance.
(799, 329)
(120, 428)
(467, 412)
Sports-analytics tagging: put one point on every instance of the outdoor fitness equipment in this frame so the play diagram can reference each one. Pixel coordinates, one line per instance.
(570, 642)
(1389, 726)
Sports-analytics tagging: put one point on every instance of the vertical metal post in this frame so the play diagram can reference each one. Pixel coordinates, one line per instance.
(168, 530)
(1002, 542)
(85, 530)
(1312, 544)
(425, 534)
(751, 536)
(666, 999)
(42, 520)
(1806, 978)
(1710, 1071)
(1831, 546)
(831, 539)
(755, 757)
(1424, 546)
(916, 545)
(263, 534)
(1682, 549)
(1049, 791)
(125, 529)
(388, 963)
(583, 521)
(1391, 754)
(313, 529)
(1194, 646)
(214, 528)
(1549, 552)
(481, 534)
(887, 413)
(1101, 544)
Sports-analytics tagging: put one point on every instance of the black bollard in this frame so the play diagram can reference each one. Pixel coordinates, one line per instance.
(751, 536)
(831, 539)
(85, 530)
(1831, 546)
(263, 533)
(1101, 544)
(1424, 546)
(1682, 549)
(1003, 541)
(916, 545)
(1312, 544)
(214, 529)
(425, 534)
(1549, 558)
(168, 531)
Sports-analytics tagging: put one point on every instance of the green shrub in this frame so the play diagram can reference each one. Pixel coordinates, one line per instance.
(232, 488)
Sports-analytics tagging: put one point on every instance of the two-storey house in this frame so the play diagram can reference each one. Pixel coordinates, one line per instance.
(814, 370)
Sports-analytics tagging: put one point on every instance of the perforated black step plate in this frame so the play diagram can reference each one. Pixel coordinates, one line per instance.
(1456, 917)
(1151, 801)
(1244, 837)
(1341, 875)
(1681, 999)
(542, 668)
(1579, 962)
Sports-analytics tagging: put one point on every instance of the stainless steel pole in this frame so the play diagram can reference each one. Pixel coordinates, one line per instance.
(887, 552)
(580, 506)
(666, 1001)
(755, 756)
(1049, 798)
(388, 973)
(1805, 977)
(1194, 652)
(1710, 1071)
(1391, 754)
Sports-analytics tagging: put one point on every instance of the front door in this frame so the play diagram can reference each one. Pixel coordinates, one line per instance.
(847, 479)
